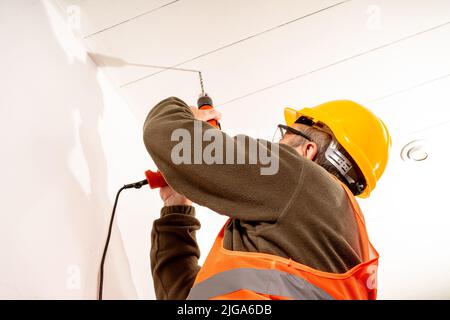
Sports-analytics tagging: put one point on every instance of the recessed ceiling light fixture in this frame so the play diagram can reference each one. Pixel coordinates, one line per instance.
(415, 150)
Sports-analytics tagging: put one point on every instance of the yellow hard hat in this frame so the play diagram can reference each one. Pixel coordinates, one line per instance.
(361, 133)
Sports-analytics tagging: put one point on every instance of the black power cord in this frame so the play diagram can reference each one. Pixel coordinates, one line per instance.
(135, 185)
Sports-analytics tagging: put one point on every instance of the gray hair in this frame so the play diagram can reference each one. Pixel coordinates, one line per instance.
(323, 141)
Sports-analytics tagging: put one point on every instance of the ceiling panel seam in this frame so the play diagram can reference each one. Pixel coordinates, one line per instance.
(416, 86)
(421, 130)
(237, 42)
(130, 19)
(335, 63)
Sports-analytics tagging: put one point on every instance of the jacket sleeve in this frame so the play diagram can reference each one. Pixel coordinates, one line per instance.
(174, 252)
(239, 191)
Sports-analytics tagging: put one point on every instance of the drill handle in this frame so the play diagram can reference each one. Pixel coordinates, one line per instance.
(155, 179)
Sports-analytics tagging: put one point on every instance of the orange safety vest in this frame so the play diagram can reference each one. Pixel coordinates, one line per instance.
(236, 275)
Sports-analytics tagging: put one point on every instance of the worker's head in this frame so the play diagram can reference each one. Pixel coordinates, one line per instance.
(343, 137)
(312, 143)
(307, 141)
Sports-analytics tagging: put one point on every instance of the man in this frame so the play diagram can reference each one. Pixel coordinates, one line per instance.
(295, 234)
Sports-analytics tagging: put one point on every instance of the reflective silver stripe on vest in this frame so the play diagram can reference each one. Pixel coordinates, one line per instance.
(272, 282)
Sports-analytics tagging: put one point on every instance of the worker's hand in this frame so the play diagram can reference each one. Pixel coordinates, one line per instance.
(172, 198)
(206, 114)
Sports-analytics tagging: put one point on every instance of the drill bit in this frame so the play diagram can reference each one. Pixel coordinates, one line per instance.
(201, 83)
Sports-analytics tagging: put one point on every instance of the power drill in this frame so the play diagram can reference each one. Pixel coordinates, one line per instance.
(155, 179)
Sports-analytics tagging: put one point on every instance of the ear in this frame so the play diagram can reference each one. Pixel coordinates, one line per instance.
(310, 150)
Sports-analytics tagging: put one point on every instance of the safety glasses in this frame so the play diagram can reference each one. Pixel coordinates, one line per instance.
(282, 130)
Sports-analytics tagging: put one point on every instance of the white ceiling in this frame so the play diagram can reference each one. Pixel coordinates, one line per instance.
(259, 56)
(361, 50)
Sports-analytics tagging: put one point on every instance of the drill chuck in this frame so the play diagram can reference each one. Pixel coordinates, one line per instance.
(204, 100)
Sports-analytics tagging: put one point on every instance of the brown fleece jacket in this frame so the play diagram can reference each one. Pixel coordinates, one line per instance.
(300, 212)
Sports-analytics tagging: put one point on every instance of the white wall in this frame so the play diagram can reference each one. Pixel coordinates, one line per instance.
(61, 125)
(69, 142)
